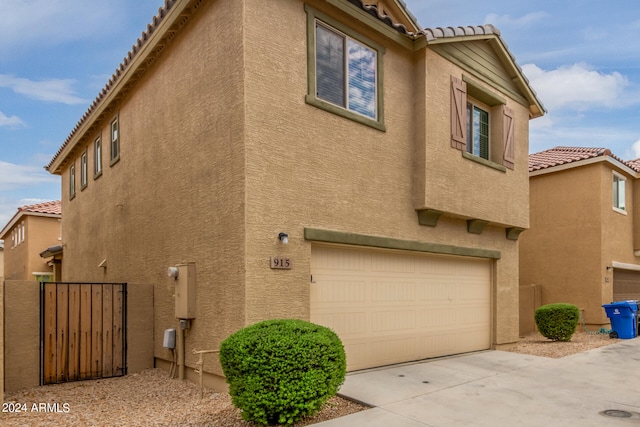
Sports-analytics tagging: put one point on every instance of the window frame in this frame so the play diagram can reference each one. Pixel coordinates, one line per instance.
(472, 107)
(84, 170)
(114, 140)
(501, 138)
(616, 181)
(311, 98)
(97, 157)
(72, 181)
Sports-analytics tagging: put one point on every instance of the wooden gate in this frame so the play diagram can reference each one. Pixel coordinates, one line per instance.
(83, 331)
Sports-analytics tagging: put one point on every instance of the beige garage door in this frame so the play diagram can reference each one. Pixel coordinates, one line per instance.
(391, 307)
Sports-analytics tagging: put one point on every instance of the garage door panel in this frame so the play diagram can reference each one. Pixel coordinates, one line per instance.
(626, 285)
(391, 307)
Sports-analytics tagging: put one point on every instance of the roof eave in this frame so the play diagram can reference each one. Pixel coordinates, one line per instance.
(585, 162)
(149, 47)
(492, 35)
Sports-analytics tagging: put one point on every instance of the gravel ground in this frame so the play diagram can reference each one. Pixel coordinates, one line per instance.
(151, 398)
(538, 345)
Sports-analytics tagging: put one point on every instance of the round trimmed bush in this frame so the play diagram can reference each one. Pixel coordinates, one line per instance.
(280, 371)
(557, 322)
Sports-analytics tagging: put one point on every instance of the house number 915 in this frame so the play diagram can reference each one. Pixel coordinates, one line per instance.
(281, 263)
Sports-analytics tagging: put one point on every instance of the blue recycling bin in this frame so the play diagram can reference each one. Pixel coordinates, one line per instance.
(623, 318)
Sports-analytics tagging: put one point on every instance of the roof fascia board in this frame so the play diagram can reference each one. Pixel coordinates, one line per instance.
(136, 63)
(374, 23)
(408, 16)
(586, 162)
(528, 98)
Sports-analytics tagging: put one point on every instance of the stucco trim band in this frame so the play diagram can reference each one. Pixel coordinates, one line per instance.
(331, 236)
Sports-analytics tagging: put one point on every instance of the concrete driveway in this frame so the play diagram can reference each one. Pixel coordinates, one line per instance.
(497, 388)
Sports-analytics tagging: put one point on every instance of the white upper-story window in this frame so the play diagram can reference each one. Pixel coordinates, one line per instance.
(619, 192)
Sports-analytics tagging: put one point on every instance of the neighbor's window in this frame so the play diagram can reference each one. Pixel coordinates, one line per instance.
(72, 181)
(344, 71)
(115, 141)
(477, 131)
(83, 170)
(619, 192)
(97, 157)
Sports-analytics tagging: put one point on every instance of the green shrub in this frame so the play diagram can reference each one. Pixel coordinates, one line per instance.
(280, 371)
(557, 322)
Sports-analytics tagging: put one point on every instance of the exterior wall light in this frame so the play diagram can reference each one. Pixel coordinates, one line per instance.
(283, 237)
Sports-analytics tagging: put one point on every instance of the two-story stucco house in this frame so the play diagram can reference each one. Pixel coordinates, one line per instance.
(583, 245)
(323, 160)
(31, 230)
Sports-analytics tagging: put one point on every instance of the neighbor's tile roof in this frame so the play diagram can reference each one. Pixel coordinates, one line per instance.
(562, 155)
(634, 164)
(47, 208)
(54, 208)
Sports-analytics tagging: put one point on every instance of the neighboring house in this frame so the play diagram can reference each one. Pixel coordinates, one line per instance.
(32, 229)
(583, 245)
(336, 127)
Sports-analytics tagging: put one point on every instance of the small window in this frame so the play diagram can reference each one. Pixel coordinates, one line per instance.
(115, 141)
(482, 125)
(344, 71)
(619, 192)
(72, 181)
(22, 226)
(83, 170)
(477, 131)
(97, 157)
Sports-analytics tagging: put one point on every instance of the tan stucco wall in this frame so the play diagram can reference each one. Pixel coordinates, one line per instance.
(177, 193)
(139, 327)
(449, 182)
(220, 152)
(21, 334)
(24, 259)
(575, 234)
(310, 168)
(2, 339)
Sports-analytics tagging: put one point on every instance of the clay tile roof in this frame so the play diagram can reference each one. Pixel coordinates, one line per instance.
(372, 10)
(478, 30)
(128, 59)
(562, 155)
(634, 164)
(54, 208)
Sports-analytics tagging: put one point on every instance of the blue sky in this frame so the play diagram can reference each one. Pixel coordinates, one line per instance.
(581, 57)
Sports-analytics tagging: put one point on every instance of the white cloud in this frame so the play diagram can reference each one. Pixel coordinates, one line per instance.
(52, 90)
(509, 21)
(577, 87)
(13, 121)
(635, 150)
(14, 176)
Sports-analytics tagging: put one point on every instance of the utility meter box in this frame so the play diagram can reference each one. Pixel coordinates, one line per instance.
(185, 292)
(169, 340)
